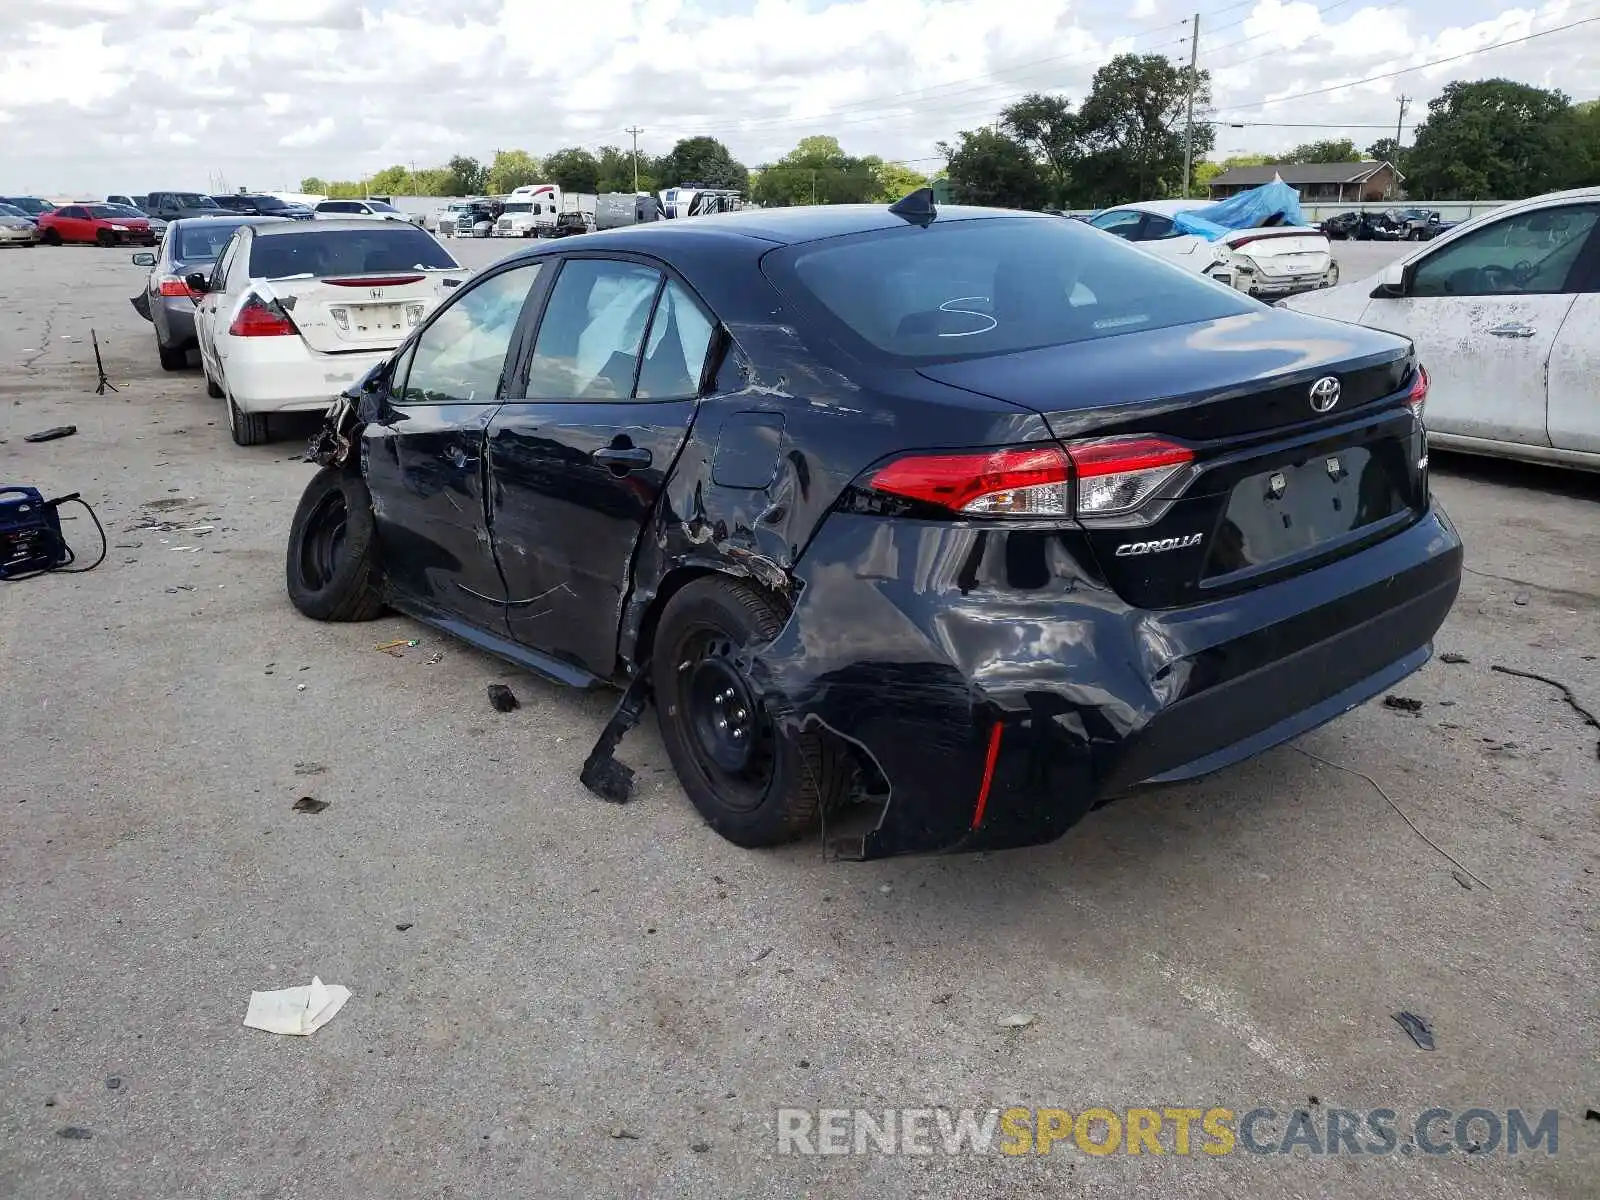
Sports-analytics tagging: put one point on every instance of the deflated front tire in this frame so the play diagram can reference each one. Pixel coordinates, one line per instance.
(332, 563)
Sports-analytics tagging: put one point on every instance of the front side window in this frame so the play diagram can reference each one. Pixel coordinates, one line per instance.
(593, 327)
(973, 288)
(1531, 253)
(460, 356)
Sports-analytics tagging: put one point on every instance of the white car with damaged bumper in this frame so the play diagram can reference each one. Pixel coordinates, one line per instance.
(295, 312)
(1267, 261)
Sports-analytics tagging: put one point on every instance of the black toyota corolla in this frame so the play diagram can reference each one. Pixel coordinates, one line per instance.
(976, 517)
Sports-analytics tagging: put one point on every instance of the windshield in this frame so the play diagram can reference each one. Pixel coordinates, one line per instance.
(11, 210)
(267, 203)
(29, 205)
(519, 206)
(125, 210)
(968, 289)
(106, 212)
(194, 200)
(321, 252)
(380, 206)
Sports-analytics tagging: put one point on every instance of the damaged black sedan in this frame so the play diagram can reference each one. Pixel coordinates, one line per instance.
(976, 518)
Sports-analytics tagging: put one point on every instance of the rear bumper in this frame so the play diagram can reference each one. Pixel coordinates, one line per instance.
(953, 656)
(177, 322)
(281, 375)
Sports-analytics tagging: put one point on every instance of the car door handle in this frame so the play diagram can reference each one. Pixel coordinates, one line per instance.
(625, 458)
(461, 458)
(1513, 330)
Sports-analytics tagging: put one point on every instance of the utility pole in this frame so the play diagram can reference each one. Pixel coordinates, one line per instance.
(1405, 103)
(1188, 121)
(635, 131)
(813, 185)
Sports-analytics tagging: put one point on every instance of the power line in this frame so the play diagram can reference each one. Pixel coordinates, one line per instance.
(1437, 62)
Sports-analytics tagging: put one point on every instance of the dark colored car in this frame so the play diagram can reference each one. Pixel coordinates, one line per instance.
(1361, 227)
(191, 244)
(31, 205)
(977, 518)
(263, 206)
(175, 206)
(95, 224)
(1420, 224)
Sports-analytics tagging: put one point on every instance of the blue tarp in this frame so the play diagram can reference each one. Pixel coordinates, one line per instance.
(1247, 210)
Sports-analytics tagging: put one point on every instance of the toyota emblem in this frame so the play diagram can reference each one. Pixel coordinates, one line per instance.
(1324, 394)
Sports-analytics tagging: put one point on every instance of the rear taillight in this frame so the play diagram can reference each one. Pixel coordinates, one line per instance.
(258, 319)
(173, 286)
(1114, 478)
(1418, 396)
(1024, 481)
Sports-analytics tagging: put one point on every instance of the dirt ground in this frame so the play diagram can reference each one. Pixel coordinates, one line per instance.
(559, 997)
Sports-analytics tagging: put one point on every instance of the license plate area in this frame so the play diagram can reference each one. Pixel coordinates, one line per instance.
(1291, 509)
(368, 320)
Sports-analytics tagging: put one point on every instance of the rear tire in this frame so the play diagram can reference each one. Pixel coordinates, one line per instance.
(711, 715)
(248, 429)
(332, 564)
(172, 359)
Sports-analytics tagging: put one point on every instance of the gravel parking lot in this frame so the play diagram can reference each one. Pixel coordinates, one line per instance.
(554, 996)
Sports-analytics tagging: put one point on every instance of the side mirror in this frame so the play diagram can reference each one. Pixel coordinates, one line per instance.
(197, 282)
(1391, 282)
(144, 259)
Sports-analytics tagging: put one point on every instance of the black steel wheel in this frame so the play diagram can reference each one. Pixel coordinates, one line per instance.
(332, 560)
(753, 782)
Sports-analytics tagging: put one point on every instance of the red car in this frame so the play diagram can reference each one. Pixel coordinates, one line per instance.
(101, 224)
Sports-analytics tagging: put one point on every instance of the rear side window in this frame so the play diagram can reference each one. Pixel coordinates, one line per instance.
(382, 248)
(973, 288)
(204, 240)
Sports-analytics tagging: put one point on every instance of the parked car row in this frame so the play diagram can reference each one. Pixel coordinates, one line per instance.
(1389, 225)
(285, 313)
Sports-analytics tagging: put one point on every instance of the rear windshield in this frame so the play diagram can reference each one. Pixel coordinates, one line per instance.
(321, 252)
(204, 240)
(972, 288)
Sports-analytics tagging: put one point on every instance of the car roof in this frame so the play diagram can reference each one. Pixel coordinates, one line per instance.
(1163, 208)
(286, 227)
(785, 226)
(233, 219)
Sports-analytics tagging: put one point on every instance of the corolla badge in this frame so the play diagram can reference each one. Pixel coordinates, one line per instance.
(1324, 394)
(1159, 546)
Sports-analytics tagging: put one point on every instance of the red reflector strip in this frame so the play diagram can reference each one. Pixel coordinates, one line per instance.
(988, 774)
(954, 480)
(375, 281)
(1117, 456)
(1261, 237)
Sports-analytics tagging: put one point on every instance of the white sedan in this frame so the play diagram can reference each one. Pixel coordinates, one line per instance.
(294, 312)
(1278, 260)
(1505, 314)
(363, 210)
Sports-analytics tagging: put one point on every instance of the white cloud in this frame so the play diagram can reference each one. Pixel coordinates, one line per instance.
(152, 93)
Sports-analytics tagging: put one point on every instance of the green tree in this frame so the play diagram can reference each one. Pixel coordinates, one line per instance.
(988, 167)
(468, 177)
(895, 181)
(1204, 173)
(312, 186)
(1491, 139)
(817, 171)
(1131, 129)
(1581, 147)
(432, 181)
(391, 181)
(1334, 150)
(574, 169)
(704, 161)
(511, 169)
(1047, 127)
(616, 171)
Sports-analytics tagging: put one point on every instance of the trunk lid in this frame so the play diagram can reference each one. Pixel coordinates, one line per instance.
(359, 313)
(1276, 487)
(1282, 251)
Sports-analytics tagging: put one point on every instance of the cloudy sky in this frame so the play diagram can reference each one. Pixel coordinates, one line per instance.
(102, 96)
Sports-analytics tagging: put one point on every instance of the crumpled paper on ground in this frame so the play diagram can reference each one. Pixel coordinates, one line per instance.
(296, 1010)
